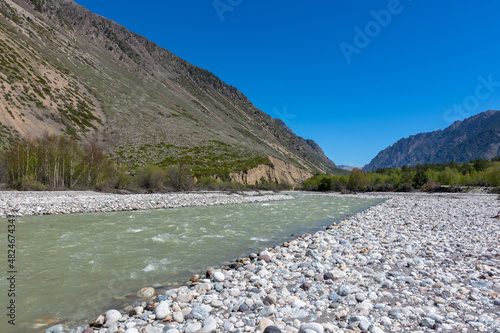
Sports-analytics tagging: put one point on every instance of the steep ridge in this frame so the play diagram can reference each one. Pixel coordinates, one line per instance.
(66, 70)
(477, 137)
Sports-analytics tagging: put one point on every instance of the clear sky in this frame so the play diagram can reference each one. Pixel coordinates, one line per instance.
(355, 76)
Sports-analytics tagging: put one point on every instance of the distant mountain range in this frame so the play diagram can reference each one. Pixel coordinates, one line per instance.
(477, 137)
(66, 70)
(346, 167)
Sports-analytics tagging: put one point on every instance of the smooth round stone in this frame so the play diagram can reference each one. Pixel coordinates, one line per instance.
(299, 313)
(318, 277)
(183, 298)
(139, 310)
(113, 316)
(219, 287)
(209, 325)
(199, 312)
(55, 329)
(132, 330)
(216, 303)
(192, 327)
(427, 322)
(234, 292)
(162, 310)
(267, 311)
(386, 321)
(272, 329)
(344, 290)
(360, 297)
(439, 300)
(264, 257)
(219, 277)
(146, 292)
(335, 298)
(434, 316)
(328, 276)
(481, 284)
(298, 304)
(269, 300)
(178, 317)
(306, 285)
(314, 327)
(88, 330)
(244, 308)
(265, 253)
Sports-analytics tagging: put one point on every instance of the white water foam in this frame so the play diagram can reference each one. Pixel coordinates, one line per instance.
(134, 230)
(150, 267)
(159, 239)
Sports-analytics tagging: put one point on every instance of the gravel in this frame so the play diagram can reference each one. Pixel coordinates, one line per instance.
(15, 204)
(414, 263)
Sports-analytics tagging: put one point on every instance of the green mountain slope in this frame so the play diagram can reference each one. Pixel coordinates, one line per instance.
(66, 70)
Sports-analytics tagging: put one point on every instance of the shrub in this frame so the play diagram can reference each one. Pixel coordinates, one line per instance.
(29, 183)
(384, 187)
(3, 168)
(430, 185)
(180, 178)
(310, 185)
(152, 178)
(208, 183)
(121, 178)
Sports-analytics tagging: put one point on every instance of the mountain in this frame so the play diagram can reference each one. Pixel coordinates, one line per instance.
(347, 167)
(66, 70)
(477, 137)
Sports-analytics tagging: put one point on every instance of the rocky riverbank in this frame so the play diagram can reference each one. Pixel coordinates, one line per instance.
(15, 204)
(415, 263)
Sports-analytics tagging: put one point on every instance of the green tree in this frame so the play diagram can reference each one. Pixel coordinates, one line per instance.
(481, 165)
(358, 180)
(325, 184)
(420, 178)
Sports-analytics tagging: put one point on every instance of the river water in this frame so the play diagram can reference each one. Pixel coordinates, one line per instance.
(74, 267)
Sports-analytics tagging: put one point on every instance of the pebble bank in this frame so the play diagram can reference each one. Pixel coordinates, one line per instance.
(414, 263)
(15, 204)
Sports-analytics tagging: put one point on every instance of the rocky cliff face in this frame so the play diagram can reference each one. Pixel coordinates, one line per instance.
(277, 171)
(66, 70)
(477, 137)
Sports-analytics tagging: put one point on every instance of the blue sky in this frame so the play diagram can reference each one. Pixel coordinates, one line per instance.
(355, 76)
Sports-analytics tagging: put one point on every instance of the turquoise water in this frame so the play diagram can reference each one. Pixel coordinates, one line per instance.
(74, 267)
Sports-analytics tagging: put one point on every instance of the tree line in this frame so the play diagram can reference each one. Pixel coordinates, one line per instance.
(441, 177)
(54, 162)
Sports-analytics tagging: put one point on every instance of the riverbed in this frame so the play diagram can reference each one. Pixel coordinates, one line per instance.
(71, 267)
